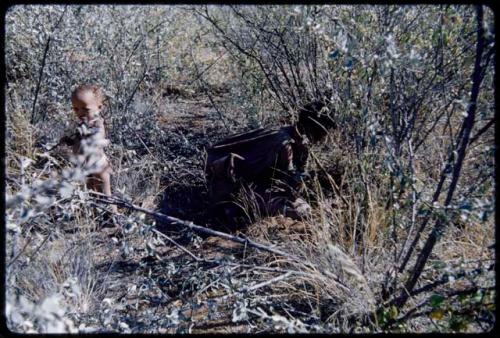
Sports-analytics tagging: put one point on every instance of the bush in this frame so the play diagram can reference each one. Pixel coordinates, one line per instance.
(401, 204)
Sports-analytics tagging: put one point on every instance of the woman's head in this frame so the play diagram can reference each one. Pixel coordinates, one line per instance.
(315, 119)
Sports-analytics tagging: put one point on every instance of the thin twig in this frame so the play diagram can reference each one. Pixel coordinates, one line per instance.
(444, 280)
(196, 258)
(412, 313)
(41, 245)
(207, 92)
(42, 66)
(482, 131)
(19, 253)
(271, 281)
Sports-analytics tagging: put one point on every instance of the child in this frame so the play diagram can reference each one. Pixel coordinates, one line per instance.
(90, 139)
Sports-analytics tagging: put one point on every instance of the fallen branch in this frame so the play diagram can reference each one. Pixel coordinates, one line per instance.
(204, 230)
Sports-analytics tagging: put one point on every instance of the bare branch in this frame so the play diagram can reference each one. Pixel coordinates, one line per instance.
(42, 66)
(467, 125)
(482, 131)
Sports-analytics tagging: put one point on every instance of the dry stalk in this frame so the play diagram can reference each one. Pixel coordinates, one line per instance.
(330, 179)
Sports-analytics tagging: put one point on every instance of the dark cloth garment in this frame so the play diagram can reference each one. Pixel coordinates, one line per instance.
(261, 150)
(264, 168)
(267, 157)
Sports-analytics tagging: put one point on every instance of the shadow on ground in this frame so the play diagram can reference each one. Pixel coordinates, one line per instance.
(187, 202)
(191, 203)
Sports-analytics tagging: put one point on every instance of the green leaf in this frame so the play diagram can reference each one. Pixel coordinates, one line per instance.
(437, 314)
(436, 300)
(393, 312)
(478, 296)
(435, 37)
(439, 265)
(458, 324)
(382, 316)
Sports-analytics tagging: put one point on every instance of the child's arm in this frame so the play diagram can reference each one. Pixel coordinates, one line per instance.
(100, 130)
(69, 140)
(70, 137)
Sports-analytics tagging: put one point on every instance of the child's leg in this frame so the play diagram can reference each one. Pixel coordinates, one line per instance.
(101, 182)
(94, 182)
(105, 178)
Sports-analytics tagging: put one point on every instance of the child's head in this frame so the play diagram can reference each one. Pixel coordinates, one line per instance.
(87, 101)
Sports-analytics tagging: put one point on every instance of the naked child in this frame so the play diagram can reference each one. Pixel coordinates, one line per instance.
(87, 102)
